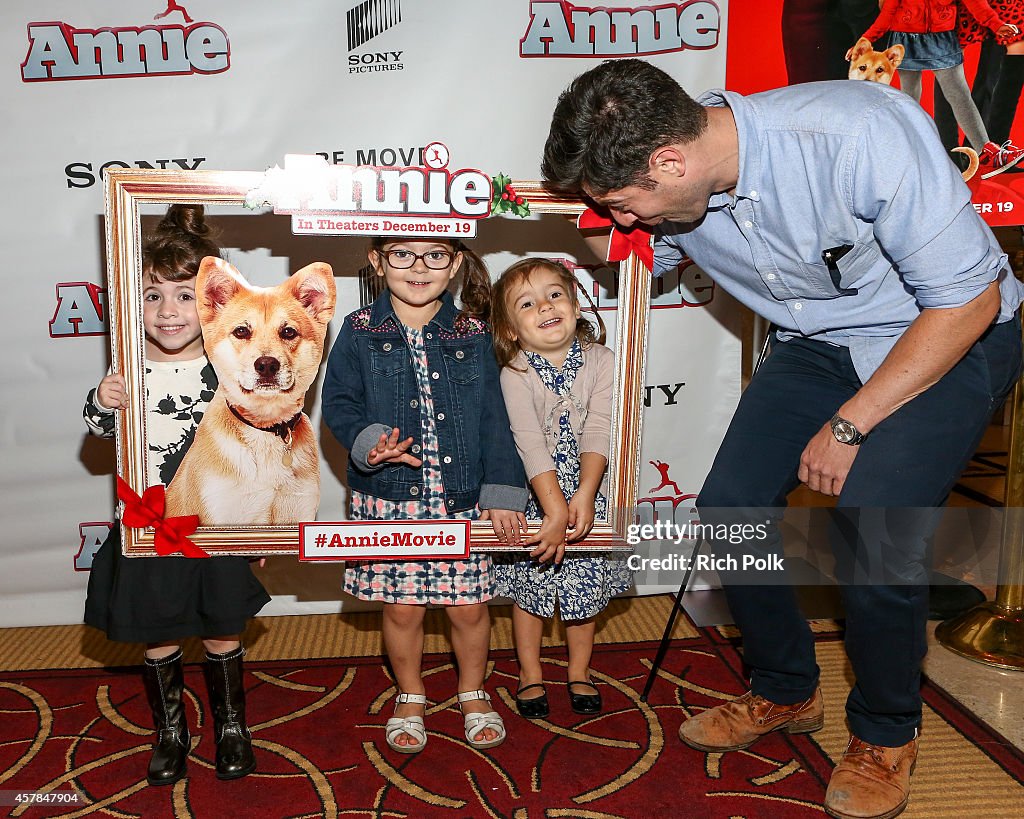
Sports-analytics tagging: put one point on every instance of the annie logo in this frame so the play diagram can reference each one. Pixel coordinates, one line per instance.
(686, 285)
(90, 538)
(59, 51)
(81, 310)
(427, 200)
(666, 481)
(666, 502)
(560, 29)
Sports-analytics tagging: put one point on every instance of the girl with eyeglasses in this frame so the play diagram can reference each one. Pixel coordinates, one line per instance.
(412, 391)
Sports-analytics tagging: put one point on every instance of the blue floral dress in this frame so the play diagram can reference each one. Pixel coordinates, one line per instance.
(443, 582)
(585, 581)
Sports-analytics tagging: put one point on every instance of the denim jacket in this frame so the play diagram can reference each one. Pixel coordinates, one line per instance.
(370, 387)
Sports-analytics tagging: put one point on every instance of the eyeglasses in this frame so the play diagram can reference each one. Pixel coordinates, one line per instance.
(433, 259)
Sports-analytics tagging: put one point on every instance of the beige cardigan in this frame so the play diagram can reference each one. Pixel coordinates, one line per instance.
(533, 409)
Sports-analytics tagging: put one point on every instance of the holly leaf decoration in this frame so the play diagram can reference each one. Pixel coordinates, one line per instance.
(505, 199)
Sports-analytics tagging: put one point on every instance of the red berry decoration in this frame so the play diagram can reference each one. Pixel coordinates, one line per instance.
(506, 200)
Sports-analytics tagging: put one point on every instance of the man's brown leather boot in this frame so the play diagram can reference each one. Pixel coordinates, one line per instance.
(740, 723)
(871, 781)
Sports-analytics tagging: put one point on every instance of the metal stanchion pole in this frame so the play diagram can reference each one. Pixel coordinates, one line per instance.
(993, 632)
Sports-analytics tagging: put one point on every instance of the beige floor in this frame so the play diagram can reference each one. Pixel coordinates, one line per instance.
(993, 695)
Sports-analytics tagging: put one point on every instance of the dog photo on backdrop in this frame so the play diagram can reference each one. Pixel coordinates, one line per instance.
(255, 459)
(874, 66)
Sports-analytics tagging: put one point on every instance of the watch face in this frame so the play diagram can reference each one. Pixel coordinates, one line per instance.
(844, 431)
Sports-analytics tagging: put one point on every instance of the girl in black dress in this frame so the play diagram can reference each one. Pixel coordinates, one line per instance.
(161, 600)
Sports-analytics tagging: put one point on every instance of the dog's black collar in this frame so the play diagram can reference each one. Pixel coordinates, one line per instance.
(282, 430)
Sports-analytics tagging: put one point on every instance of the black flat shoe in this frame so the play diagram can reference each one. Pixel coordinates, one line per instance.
(536, 707)
(584, 703)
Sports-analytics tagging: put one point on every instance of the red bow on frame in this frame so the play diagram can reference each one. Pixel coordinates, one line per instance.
(171, 533)
(621, 241)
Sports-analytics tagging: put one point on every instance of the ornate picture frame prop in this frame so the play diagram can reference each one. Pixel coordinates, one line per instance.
(148, 531)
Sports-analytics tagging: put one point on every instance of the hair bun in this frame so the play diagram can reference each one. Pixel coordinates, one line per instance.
(179, 242)
(185, 219)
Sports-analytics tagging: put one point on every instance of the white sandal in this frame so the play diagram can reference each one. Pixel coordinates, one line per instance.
(411, 726)
(475, 723)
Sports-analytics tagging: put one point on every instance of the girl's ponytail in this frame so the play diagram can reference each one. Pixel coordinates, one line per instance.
(476, 285)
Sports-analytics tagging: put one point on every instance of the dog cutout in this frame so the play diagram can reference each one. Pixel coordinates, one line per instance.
(254, 460)
(874, 66)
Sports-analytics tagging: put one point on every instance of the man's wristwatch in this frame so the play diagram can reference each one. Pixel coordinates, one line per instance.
(845, 432)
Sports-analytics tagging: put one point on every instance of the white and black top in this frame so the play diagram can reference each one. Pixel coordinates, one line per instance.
(177, 394)
(159, 599)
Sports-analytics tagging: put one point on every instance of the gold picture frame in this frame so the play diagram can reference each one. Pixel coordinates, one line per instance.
(129, 190)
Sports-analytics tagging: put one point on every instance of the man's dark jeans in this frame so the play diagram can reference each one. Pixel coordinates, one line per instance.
(910, 461)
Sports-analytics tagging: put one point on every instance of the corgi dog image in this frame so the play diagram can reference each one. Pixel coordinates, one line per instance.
(874, 66)
(254, 459)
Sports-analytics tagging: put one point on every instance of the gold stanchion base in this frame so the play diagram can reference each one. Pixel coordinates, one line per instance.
(988, 633)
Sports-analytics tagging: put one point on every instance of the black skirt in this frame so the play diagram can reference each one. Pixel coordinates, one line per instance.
(155, 599)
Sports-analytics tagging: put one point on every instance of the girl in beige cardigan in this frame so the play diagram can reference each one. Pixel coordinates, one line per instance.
(556, 378)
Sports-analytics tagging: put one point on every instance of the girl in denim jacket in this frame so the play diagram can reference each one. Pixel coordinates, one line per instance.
(411, 390)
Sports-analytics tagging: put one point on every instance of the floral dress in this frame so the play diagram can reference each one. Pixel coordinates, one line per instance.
(443, 582)
(584, 582)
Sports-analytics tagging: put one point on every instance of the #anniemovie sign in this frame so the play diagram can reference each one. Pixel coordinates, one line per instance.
(384, 540)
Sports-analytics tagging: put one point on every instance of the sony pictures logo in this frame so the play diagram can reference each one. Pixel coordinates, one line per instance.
(59, 51)
(365, 21)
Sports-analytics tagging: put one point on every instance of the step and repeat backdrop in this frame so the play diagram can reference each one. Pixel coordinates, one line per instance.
(89, 85)
(234, 85)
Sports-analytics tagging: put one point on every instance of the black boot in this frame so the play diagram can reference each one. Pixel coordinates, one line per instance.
(165, 687)
(227, 701)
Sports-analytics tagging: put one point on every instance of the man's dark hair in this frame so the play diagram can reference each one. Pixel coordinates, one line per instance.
(610, 120)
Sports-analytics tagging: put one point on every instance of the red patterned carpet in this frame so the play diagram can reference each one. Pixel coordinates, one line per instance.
(318, 730)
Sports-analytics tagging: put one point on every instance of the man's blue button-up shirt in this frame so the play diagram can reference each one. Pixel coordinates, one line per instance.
(850, 167)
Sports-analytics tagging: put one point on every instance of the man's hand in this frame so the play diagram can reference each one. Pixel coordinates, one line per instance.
(825, 463)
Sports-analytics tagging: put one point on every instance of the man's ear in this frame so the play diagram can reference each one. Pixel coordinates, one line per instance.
(667, 160)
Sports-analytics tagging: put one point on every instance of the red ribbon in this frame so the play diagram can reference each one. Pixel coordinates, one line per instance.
(621, 241)
(171, 533)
